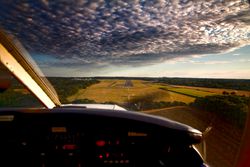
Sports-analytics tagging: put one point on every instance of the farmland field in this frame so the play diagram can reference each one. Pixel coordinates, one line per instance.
(117, 91)
(122, 91)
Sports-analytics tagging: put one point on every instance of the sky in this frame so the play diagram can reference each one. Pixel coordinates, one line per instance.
(160, 38)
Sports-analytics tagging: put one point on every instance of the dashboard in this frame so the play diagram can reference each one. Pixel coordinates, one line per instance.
(79, 137)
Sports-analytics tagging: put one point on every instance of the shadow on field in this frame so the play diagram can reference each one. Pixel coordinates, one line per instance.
(149, 101)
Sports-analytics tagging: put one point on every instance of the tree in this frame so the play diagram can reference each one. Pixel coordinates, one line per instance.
(231, 107)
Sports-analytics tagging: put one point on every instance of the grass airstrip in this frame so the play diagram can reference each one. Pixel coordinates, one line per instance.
(117, 91)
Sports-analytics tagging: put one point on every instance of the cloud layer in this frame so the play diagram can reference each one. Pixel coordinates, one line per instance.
(138, 32)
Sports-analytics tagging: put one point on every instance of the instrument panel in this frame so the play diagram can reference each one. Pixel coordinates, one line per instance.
(90, 138)
(107, 147)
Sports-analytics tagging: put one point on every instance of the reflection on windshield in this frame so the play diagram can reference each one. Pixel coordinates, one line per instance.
(14, 93)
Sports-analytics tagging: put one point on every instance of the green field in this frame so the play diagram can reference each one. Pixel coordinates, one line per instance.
(115, 91)
(188, 91)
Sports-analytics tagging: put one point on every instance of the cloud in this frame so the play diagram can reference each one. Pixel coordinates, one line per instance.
(244, 60)
(209, 62)
(131, 33)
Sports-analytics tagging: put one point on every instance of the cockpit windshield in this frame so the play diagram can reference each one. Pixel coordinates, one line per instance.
(181, 59)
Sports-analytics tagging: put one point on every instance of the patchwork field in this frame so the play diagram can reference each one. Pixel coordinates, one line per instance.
(121, 91)
(118, 91)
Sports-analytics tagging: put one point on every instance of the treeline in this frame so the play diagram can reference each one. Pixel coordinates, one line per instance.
(237, 84)
(18, 96)
(18, 99)
(66, 87)
(231, 107)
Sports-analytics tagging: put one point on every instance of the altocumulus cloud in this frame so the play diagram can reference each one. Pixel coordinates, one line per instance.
(135, 32)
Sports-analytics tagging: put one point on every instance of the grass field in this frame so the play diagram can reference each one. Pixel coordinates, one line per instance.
(188, 91)
(115, 91)
(23, 91)
(215, 90)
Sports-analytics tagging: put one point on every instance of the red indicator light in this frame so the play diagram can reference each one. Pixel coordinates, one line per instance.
(107, 155)
(100, 156)
(100, 143)
(69, 147)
